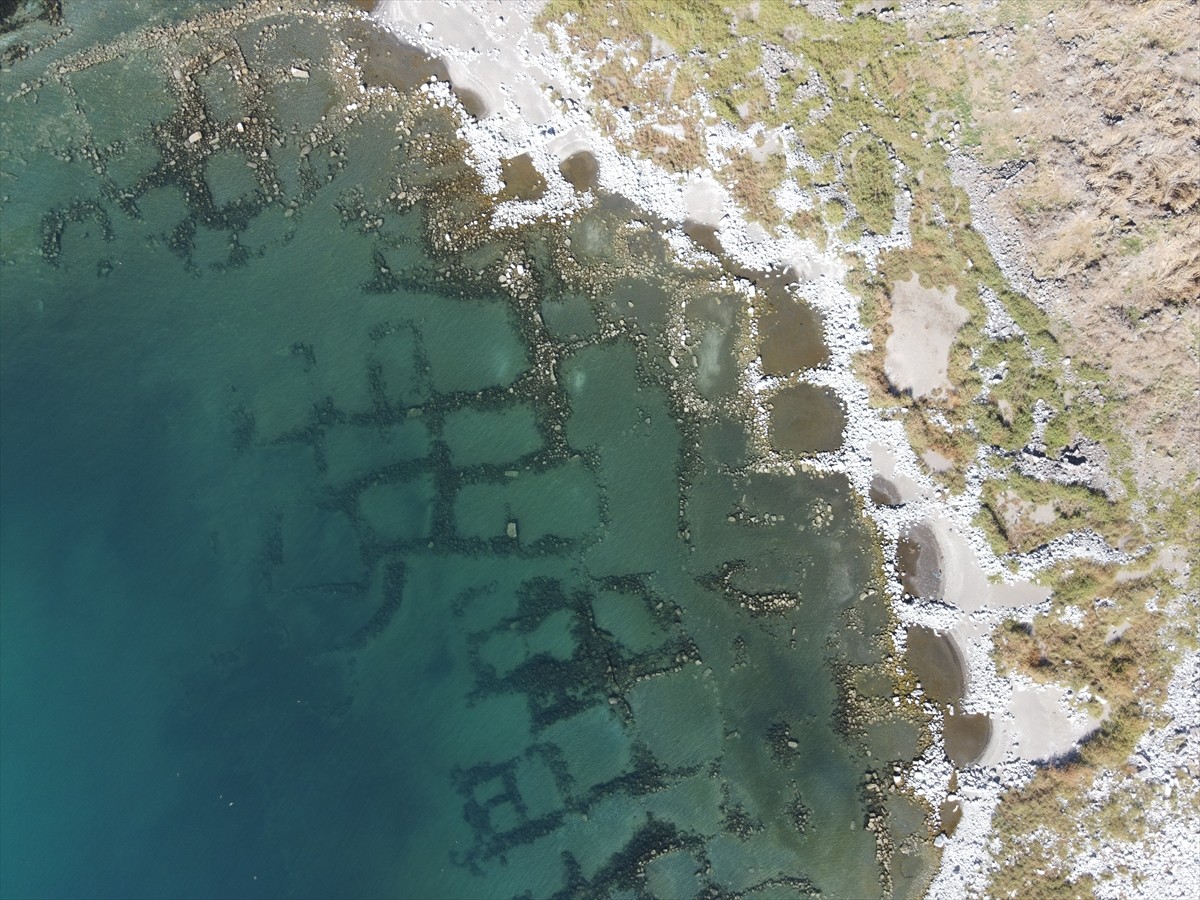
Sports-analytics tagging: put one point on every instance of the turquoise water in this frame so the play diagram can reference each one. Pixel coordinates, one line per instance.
(342, 559)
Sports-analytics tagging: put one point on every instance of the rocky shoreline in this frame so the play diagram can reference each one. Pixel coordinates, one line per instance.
(493, 51)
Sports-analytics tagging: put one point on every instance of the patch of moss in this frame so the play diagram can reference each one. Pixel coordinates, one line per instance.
(989, 522)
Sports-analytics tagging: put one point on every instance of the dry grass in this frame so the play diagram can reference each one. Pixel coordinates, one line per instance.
(1036, 826)
(665, 145)
(1104, 109)
(1128, 672)
(753, 185)
(1030, 823)
(869, 182)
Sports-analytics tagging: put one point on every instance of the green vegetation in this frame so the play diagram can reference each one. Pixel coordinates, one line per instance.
(869, 183)
(719, 49)
(1012, 503)
(1111, 652)
(1029, 823)
(681, 23)
(1117, 652)
(753, 185)
(880, 103)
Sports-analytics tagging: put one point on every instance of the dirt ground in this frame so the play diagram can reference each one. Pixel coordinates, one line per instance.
(1088, 115)
(924, 322)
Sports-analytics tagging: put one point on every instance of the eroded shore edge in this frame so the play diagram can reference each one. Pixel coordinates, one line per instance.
(494, 56)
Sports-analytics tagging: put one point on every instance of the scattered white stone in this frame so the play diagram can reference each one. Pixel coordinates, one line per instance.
(513, 68)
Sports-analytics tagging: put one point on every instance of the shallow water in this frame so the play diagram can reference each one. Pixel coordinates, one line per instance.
(937, 663)
(354, 549)
(967, 736)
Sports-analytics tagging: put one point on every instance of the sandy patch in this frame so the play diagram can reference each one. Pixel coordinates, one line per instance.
(889, 487)
(944, 566)
(705, 200)
(936, 461)
(924, 322)
(1041, 729)
(489, 30)
(1015, 510)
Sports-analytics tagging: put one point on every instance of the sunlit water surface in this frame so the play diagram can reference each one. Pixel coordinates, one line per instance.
(351, 548)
